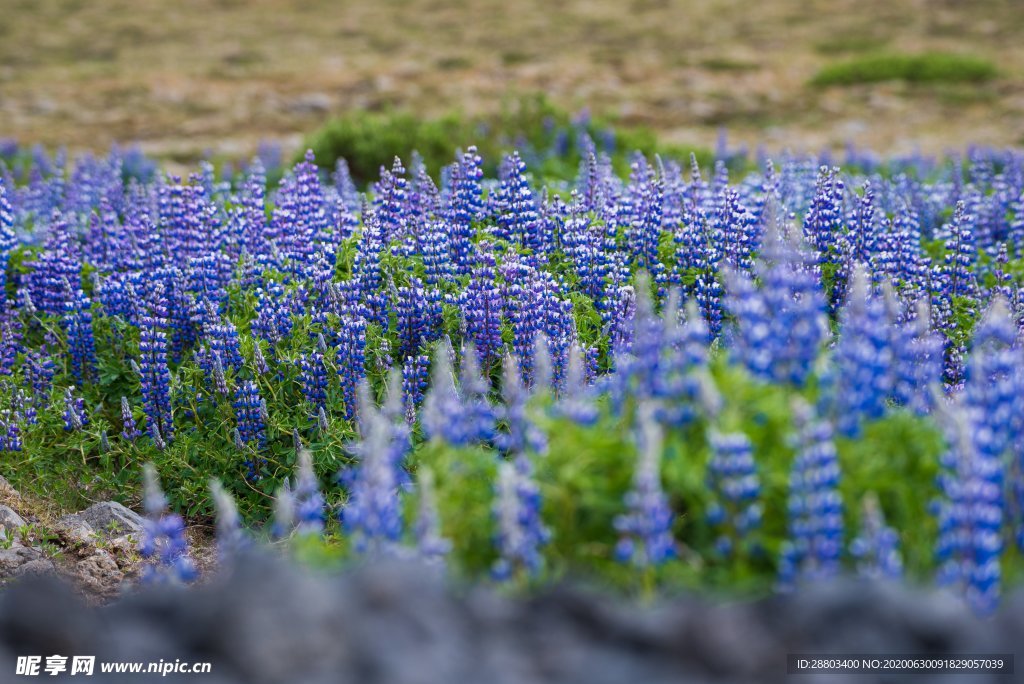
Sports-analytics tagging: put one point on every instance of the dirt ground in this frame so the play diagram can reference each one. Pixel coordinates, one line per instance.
(193, 75)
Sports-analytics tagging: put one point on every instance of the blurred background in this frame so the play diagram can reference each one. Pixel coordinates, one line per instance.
(195, 77)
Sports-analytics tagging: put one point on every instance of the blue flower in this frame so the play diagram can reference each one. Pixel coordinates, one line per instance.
(971, 510)
(733, 477)
(414, 384)
(523, 435)
(815, 544)
(430, 545)
(373, 513)
(864, 357)
(252, 429)
(521, 532)
(130, 430)
(164, 547)
(75, 417)
(877, 545)
(308, 501)
(645, 530)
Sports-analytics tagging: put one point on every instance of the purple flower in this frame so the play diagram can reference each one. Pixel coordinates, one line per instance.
(300, 220)
(431, 546)
(521, 532)
(961, 255)
(733, 477)
(864, 357)
(518, 219)
(75, 417)
(877, 545)
(464, 206)
(815, 542)
(645, 530)
(414, 384)
(10, 433)
(417, 317)
(523, 435)
(350, 359)
(373, 513)
(576, 400)
(155, 378)
(252, 429)
(781, 326)
(130, 430)
(459, 416)
(231, 538)
(313, 378)
(917, 359)
(308, 501)
(164, 547)
(971, 511)
(481, 303)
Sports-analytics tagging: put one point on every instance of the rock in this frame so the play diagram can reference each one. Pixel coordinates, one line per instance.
(74, 530)
(111, 519)
(124, 546)
(311, 103)
(266, 621)
(12, 560)
(10, 522)
(97, 575)
(41, 566)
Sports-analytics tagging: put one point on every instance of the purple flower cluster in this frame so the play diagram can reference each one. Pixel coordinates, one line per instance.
(599, 298)
(458, 415)
(10, 433)
(780, 325)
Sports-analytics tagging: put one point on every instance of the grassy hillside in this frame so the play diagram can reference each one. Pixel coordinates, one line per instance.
(224, 74)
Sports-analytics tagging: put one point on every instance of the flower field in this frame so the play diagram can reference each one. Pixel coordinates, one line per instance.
(743, 378)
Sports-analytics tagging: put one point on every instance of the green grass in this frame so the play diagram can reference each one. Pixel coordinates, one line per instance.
(852, 43)
(932, 67)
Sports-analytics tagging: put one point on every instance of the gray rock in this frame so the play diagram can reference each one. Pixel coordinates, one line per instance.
(73, 529)
(40, 566)
(111, 519)
(12, 559)
(97, 574)
(10, 521)
(266, 621)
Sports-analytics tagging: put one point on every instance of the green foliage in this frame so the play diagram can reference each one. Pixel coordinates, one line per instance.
(587, 471)
(544, 134)
(931, 67)
(850, 43)
(896, 459)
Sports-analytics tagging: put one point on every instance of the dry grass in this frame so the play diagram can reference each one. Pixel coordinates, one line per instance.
(222, 74)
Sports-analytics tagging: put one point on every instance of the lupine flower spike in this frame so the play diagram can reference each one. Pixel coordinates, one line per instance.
(645, 530)
(307, 499)
(231, 537)
(521, 532)
(877, 547)
(163, 547)
(431, 546)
